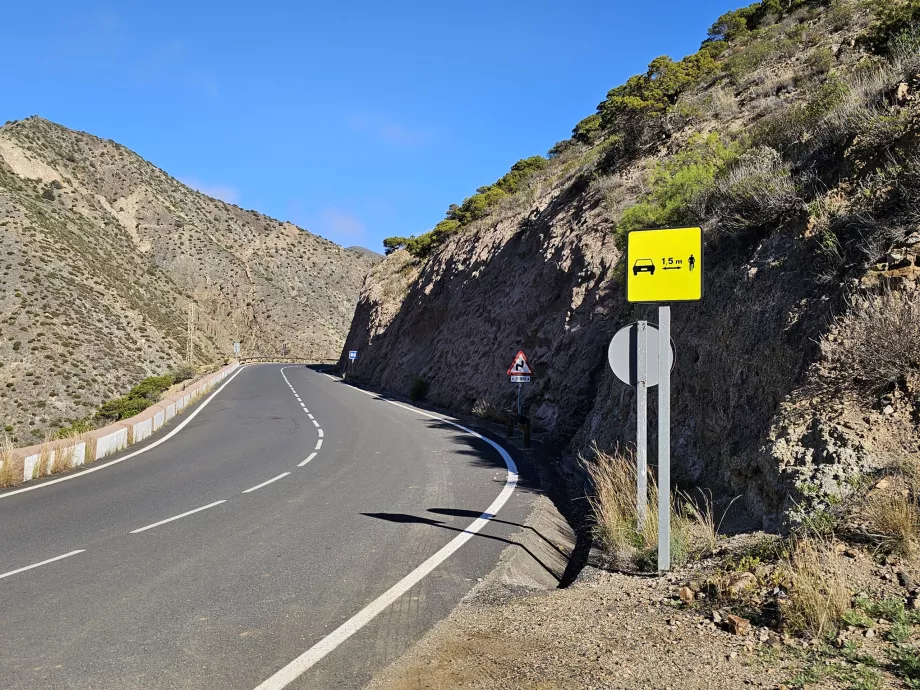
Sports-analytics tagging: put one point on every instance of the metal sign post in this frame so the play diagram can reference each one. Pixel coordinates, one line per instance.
(641, 423)
(664, 440)
(352, 356)
(663, 265)
(634, 357)
(520, 372)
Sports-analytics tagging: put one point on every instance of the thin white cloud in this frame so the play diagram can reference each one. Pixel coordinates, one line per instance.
(341, 227)
(219, 191)
(389, 131)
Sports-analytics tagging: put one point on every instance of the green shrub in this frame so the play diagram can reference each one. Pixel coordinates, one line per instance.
(588, 130)
(653, 93)
(677, 183)
(79, 426)
(737, 25)
(418, 389)
(391, 244)
(138, 399)
(513, 181)
(894, 19)
(423, 245)
(755, 191)
(181, 373)
(560, 147)
(820, 60)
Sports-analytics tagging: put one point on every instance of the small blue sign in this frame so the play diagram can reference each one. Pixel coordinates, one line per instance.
(352, 355)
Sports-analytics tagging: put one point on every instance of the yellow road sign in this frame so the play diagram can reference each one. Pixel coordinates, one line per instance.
(664, 265)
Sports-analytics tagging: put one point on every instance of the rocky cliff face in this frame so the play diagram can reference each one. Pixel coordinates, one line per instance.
(762, 406)
(102, 255)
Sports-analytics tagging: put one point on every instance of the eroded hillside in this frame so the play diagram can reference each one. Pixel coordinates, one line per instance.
(791, 137)
(102, 255)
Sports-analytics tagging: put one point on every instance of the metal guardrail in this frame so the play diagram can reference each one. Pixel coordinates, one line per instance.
(285, 360)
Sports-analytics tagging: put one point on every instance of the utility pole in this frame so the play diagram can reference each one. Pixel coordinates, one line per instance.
(190, 348)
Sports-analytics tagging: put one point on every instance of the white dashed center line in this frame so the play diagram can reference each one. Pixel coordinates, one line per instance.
(176, 517)
(273, 479)
(36, 565)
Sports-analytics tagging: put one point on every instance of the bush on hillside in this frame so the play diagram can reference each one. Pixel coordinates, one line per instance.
(421, 246)
(677, 183)
(653, 93)
(755, 191)
(737, 25)
(588, 130)
(138, 399)
(183, 372)
(391, 244)
(894, 19)
(418, 389)
(878, 343)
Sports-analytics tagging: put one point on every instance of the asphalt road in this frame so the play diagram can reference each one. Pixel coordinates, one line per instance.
(227, 596)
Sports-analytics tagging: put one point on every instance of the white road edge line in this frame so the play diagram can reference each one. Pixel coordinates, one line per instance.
(301, 664)
(176, 517)
(96, 468)
(301, 464)
(273, 479)
(35, 565)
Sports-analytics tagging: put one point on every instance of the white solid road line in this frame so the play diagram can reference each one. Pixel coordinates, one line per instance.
(35, 565)
(301, 464)
(273, 479)
(176, 517)
(301, 664)
(96, 468)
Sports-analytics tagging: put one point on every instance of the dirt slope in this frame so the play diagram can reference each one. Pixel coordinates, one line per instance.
(102, 255)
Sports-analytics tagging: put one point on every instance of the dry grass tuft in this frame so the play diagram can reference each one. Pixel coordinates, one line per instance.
(616, 517)
(64, 452)
(11, 470)
(702, 518)
(818, 593)
(891, 510)
(486, 409)
(877, 342)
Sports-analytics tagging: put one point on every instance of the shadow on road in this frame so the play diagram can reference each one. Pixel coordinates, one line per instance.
(405, 518)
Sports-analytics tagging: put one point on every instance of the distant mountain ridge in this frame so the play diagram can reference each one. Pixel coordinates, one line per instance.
(104, 253)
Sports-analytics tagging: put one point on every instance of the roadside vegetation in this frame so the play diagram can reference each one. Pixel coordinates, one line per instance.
(138, 399)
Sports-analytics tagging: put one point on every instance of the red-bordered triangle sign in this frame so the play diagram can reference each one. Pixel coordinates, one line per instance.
(519, 365)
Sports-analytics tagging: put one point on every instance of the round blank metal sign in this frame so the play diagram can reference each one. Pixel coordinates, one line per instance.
(623, 355)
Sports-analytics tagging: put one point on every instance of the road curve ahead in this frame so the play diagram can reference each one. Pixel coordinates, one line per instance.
(297, 533)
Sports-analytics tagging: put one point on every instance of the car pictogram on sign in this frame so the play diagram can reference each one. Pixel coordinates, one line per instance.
(641, 265)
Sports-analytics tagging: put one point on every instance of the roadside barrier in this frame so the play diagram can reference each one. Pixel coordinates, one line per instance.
(60, 454)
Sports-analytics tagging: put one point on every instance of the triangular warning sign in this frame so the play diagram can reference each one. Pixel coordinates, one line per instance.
(519, 365)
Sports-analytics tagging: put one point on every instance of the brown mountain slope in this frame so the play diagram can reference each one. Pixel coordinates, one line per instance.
(796, 149)
(101, 255)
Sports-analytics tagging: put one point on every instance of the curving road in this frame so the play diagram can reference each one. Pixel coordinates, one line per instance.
(297, 533)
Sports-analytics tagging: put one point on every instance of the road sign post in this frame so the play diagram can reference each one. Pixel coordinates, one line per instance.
(633, 355)
(641, 423)
(520, 372)
(663, 266)
(352, 356)
(664, 440)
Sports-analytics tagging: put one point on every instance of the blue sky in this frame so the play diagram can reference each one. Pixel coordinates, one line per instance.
(356, 120)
